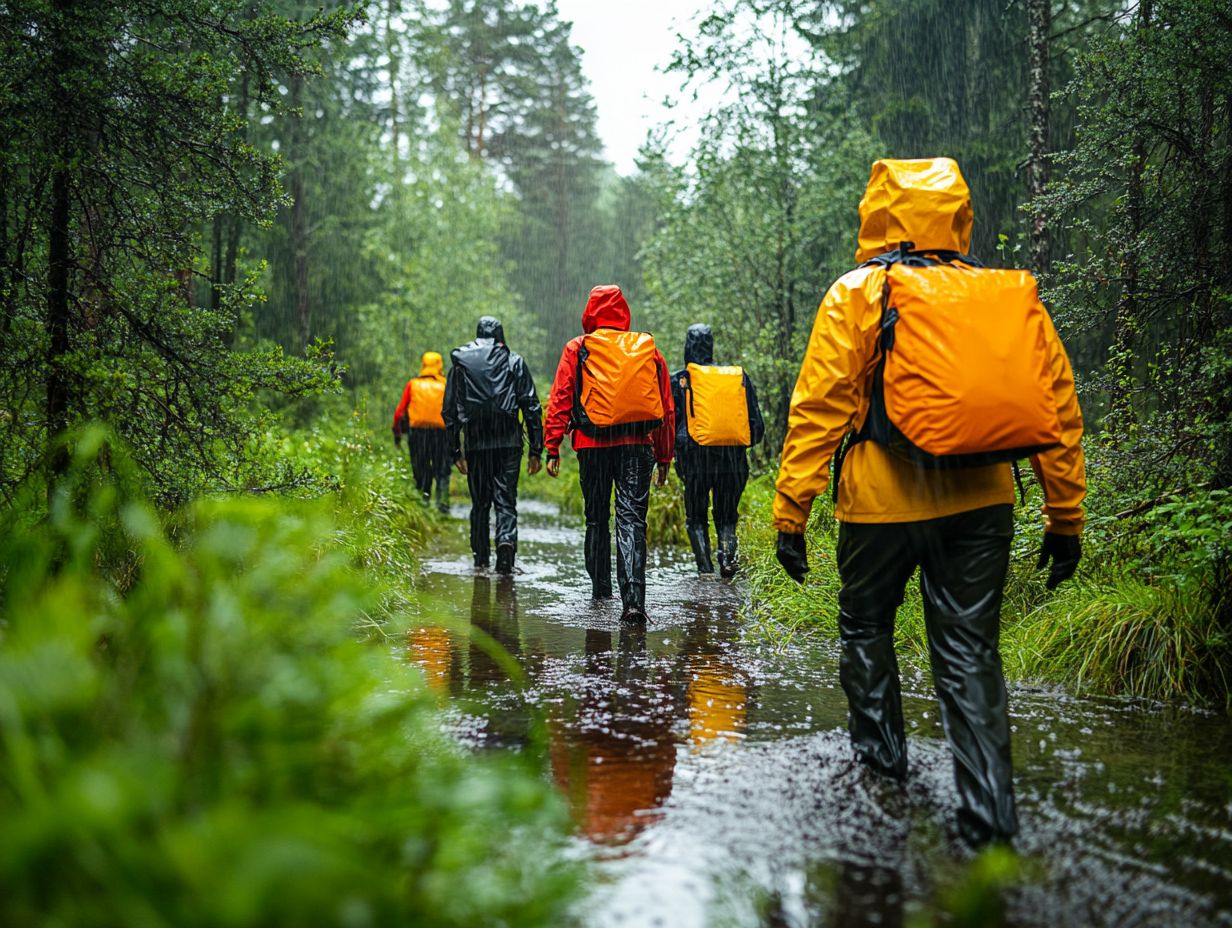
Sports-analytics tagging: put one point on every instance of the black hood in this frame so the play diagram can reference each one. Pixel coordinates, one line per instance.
(699, 344)
(490, 327)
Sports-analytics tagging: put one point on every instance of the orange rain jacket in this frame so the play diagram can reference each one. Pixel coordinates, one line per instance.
(433, 367)
(926, 202)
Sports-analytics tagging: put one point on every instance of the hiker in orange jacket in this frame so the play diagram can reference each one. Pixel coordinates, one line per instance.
(622, 461)
(418, 417)
(896, 515)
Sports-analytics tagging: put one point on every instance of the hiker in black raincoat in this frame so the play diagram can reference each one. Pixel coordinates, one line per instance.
(488, 386)
(716, 472)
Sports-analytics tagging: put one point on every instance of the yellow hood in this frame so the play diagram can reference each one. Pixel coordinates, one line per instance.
(925, 201)
(433, 366)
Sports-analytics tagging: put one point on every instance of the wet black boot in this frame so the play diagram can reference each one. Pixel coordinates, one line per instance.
(442, 495)
(699, 538)
(727, 551)
(504, 559)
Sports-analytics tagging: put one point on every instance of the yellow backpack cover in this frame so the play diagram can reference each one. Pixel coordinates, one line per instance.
(427, 401)
(717, 410)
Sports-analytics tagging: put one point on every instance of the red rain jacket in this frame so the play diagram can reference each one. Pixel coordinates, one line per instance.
(606, 309)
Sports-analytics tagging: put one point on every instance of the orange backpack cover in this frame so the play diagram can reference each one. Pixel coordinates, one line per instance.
(966, 377)
(717, 411)
(618, 384)
(427, 401)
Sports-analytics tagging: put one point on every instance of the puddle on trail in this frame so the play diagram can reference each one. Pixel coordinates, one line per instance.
(712, 782)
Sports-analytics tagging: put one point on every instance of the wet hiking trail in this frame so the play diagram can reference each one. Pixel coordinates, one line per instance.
(712, 783)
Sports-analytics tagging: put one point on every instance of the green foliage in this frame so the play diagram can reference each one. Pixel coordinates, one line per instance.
(973, 896)
(120, 139)
(763, 219)
(195, 736)
(437, 266)
(665, 517)
(1145, 197)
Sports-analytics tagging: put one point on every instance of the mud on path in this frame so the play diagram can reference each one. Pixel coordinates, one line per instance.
(712, 782)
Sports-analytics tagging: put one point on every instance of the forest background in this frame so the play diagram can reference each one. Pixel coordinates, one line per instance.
(220, 220)
(228, 230)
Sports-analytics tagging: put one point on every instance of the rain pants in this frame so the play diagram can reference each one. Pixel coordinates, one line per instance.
(955, 525)
(491, 446)
(710, 474)
(623, 463)
(429, 447)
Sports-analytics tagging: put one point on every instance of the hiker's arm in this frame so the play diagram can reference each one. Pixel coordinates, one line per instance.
(532, 412)
(664, 437)
(1061, 471)
(560, 401)
(449, 412)
(828, 393)
(757, 425)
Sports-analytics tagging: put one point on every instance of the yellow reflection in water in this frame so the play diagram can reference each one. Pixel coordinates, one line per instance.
(717, 704)
(429, 648)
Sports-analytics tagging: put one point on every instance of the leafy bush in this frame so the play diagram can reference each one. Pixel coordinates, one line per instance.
(192, 735)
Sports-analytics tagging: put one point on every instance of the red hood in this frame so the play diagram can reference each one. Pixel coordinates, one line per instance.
(606, 309)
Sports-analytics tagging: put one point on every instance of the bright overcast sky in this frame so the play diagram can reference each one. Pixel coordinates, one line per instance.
(623, 42)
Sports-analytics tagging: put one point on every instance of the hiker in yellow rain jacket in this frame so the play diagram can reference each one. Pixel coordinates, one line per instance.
(954, 524)
(418, 416)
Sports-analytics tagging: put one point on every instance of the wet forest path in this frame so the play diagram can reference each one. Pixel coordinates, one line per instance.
(711, 779)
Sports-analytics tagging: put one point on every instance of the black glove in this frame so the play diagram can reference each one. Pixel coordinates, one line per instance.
(1064, 551)
(791, 554)
(398, 439)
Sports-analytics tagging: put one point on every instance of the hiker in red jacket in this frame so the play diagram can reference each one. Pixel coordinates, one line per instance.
(621, 422)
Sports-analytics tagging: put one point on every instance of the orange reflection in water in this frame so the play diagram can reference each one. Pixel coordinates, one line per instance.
(430, 648)
(717, 703)
(616, 768)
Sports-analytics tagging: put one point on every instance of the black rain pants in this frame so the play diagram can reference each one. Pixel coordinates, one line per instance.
(492, 475)
(430, 461)
(627, 469)
(701, 487)
(963, 560)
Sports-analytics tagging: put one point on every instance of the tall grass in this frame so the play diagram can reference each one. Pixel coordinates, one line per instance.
(191, 733)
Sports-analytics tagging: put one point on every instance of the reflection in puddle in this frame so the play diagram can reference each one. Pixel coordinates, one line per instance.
(712, 780)
(616, 767)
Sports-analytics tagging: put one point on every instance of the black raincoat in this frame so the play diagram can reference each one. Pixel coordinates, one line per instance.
(488, 385)
(486, 368)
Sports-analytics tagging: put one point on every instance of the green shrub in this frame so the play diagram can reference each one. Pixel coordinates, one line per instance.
(193, 735)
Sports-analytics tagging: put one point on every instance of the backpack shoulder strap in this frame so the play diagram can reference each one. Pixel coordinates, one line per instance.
(906, 254)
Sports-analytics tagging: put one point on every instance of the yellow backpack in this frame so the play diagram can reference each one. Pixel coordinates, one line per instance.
(427, 401)
(617, 385)
(717, 408)
(963, 376)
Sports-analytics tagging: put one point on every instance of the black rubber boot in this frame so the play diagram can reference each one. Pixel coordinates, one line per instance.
(504, 559)
(727, 550)
(699, 538)
(633, 615)
(442, 495)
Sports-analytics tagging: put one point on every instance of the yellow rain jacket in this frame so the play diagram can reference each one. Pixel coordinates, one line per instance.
(433, 366)
(926, 202)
